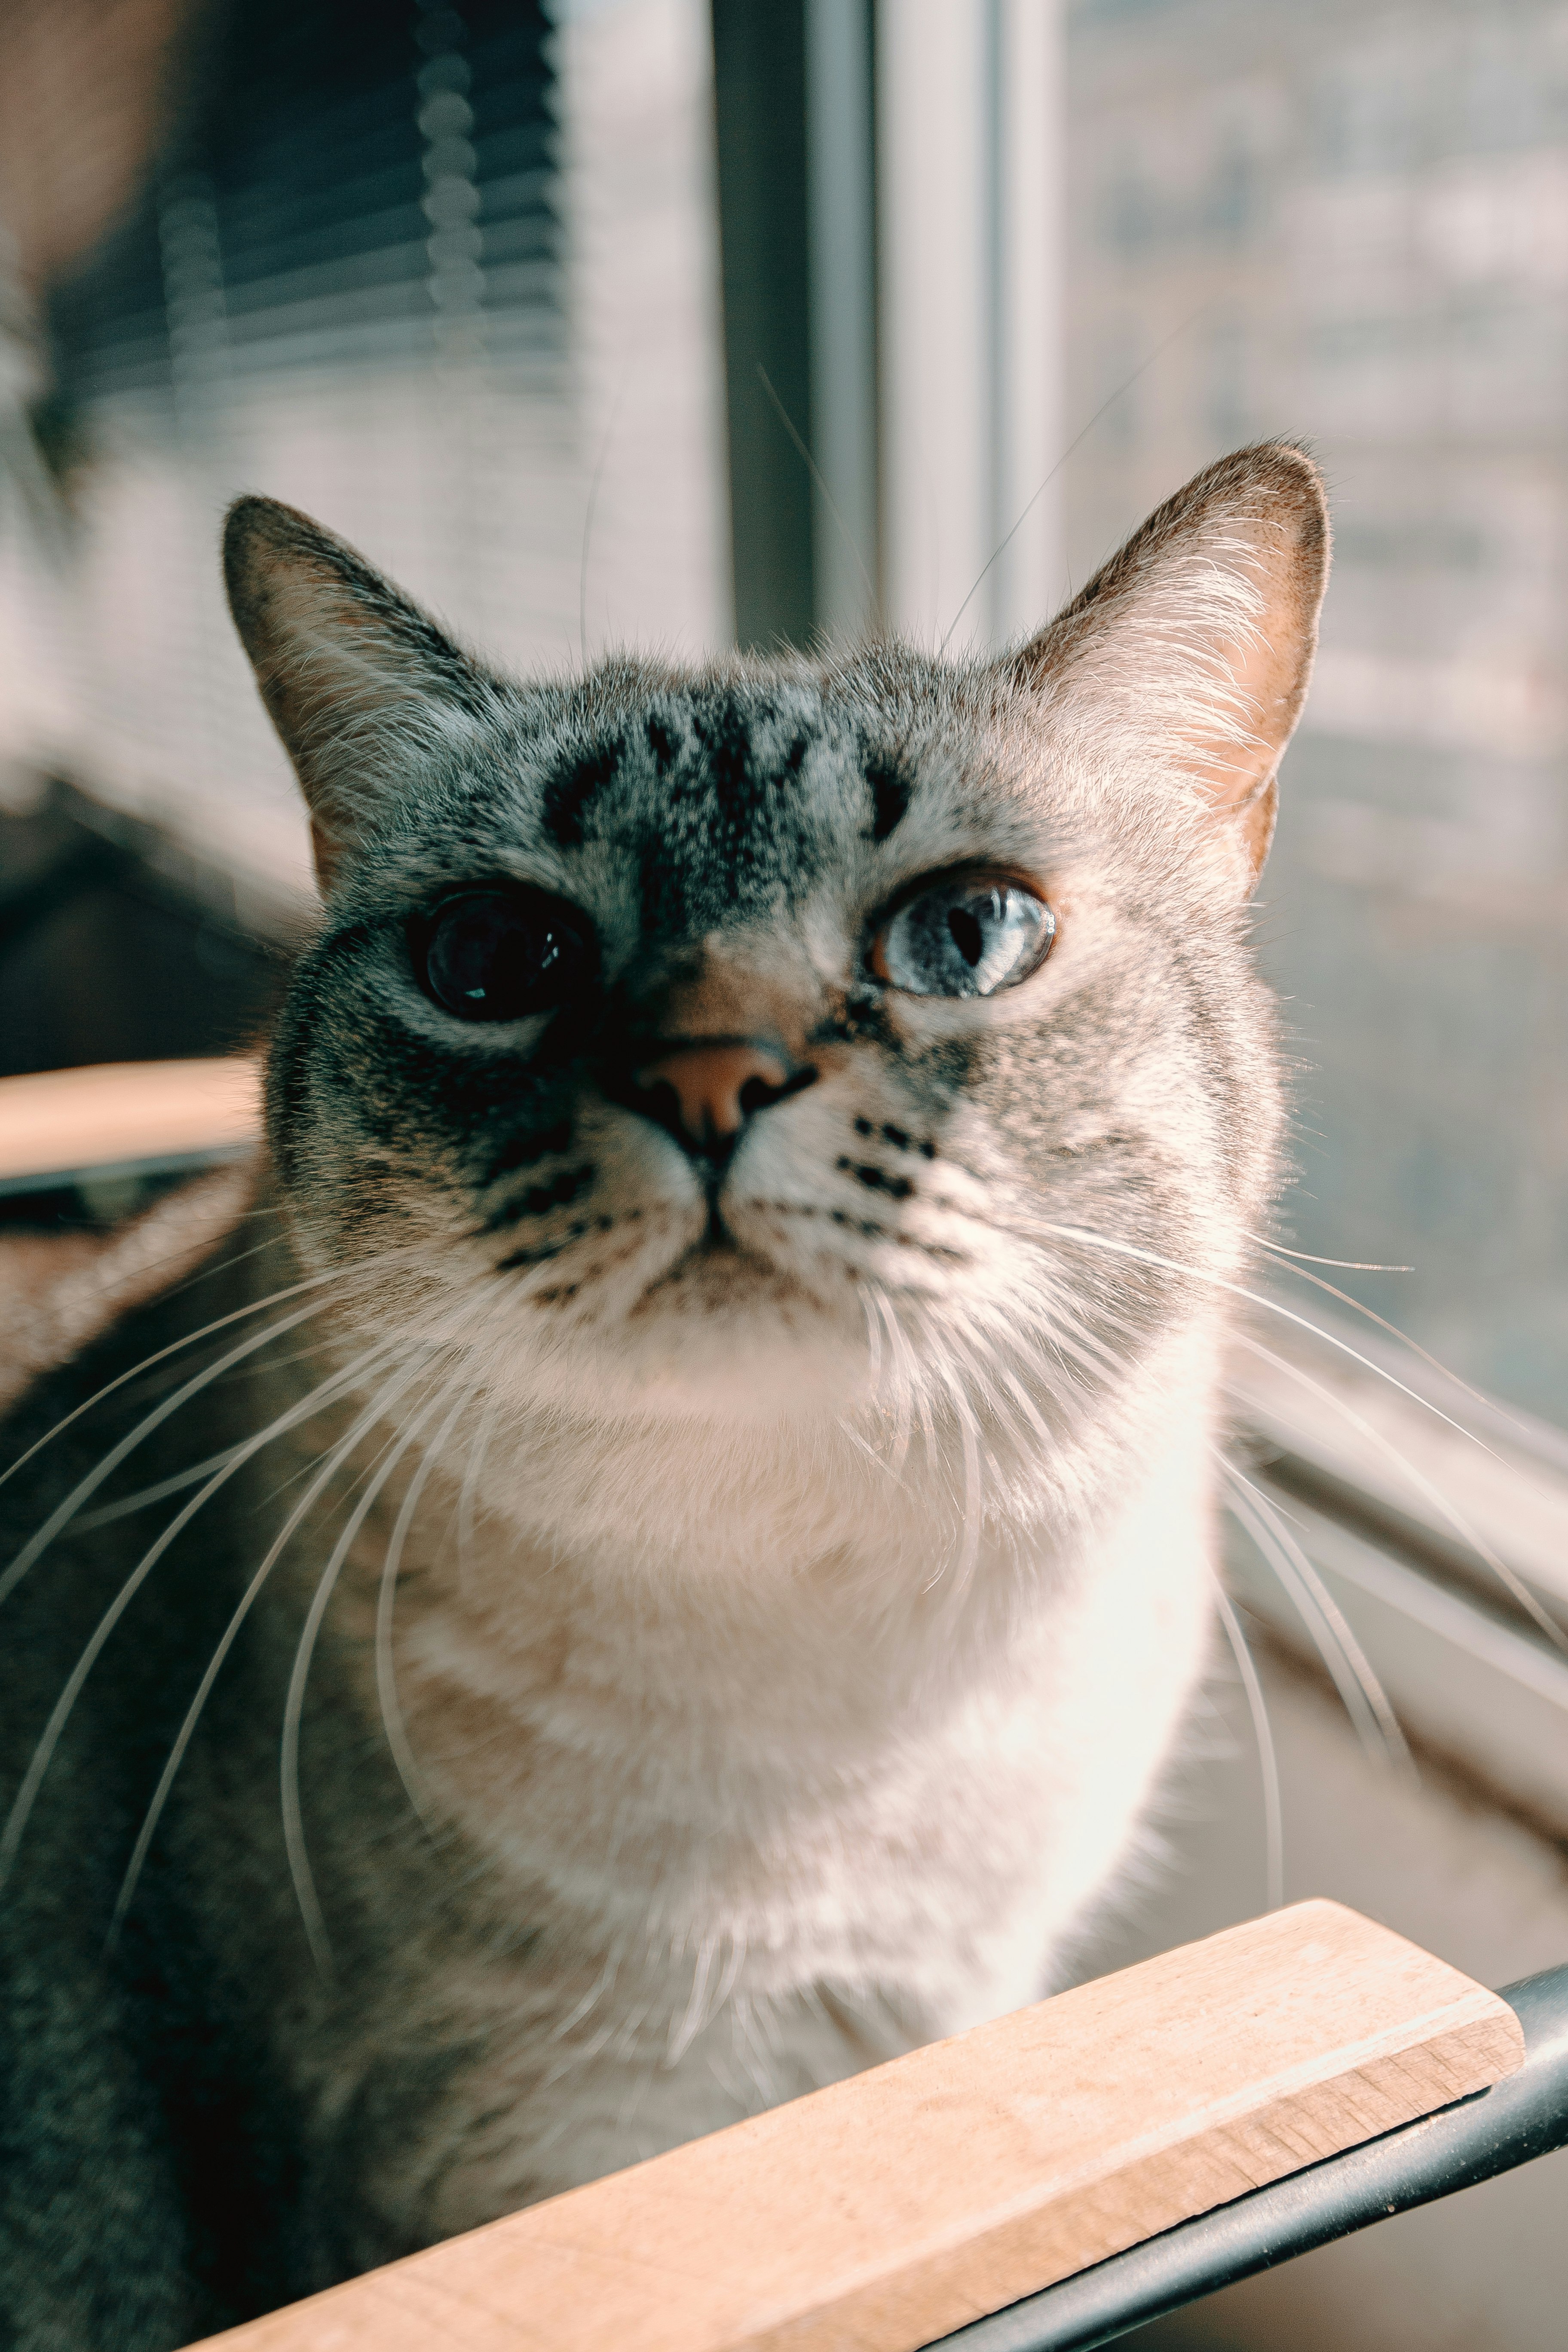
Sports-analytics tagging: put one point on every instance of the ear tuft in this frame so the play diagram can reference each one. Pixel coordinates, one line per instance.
(1199, 633)
(345, 663)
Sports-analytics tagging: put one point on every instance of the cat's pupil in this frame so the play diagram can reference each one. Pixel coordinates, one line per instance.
(968, 937)
(965, 936)
(502, 954)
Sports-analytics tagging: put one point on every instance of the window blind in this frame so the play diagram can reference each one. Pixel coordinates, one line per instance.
(348, 183)
(445, 277)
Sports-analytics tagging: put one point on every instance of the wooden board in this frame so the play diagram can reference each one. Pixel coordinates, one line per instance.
(63, 1123)
(878, 2214)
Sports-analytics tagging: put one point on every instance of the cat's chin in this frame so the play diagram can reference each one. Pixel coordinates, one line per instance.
(755, 1387)
(724, 1337)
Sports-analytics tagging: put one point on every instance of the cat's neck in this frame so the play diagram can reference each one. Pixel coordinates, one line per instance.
(923, 1534)
(638, 1665)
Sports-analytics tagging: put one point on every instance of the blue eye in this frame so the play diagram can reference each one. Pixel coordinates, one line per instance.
(968, 935)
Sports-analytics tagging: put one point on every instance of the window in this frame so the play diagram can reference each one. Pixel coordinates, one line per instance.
(1353, 226)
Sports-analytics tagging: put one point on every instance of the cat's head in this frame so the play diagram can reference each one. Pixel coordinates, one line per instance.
(751, 1040)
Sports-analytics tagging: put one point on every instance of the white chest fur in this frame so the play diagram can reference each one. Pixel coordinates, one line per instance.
(773, 1823)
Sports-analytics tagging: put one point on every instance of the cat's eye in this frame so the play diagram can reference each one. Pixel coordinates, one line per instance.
(967, 935)
(503, 953)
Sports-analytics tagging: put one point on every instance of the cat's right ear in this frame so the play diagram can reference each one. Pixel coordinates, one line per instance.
(1194, 643)
(344, 659)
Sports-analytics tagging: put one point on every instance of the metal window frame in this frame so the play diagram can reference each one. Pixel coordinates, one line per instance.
(889, 233)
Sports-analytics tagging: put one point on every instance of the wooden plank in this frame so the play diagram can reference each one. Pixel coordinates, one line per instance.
(63, 1123)
(881, 2213)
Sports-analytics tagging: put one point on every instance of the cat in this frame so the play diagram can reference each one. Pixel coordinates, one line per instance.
(660, 1561)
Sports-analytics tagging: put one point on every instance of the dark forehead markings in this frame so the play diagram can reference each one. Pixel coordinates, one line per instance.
(580, 778)
(724, 733)
(730, 821)
(719, 731)
(726, 816)
(890, 793)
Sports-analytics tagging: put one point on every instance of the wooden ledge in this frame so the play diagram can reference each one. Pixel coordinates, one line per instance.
(883, 2212)
(61, 1125)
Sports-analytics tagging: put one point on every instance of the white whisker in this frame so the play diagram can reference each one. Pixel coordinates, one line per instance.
(846, 1429)
(1267, 1759)
(294, 1702)
(1393, 1329)
(1424, 1485)
(1365, 1700)
(1513, 1584)
(903, 1378)
(473, 1472)
(191, 1340)
(873, 1343)
(391, 1718)
(970, 1520)
(109, 1513)
(26, 1794)
(61, 1517)
(1027, 1407)
(1239, 1290)
(328, 1393)
(1346, 1264)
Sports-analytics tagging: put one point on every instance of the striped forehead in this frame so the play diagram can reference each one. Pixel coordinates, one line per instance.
(732, 800)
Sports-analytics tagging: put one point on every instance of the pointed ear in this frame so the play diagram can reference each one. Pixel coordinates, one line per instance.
(346, 665)
(1199, 635)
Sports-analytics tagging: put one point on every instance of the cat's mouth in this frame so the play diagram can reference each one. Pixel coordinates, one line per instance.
(722, 1273)
(718, 1263)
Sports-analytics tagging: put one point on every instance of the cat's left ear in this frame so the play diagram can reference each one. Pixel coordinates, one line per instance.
(344, 659)
(1197, 638)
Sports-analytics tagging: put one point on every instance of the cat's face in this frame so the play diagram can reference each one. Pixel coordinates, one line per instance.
(762, 1042)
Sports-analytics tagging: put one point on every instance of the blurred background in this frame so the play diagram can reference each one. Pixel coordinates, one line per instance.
(657, 321)
(680, 322)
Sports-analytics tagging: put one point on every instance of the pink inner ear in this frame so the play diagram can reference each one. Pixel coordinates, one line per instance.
(1198, 634)
(1265, 686)
(1265, 677)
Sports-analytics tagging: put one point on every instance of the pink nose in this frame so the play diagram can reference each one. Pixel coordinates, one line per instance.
(705, 1092)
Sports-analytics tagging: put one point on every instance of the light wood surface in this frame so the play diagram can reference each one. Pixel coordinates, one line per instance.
(884, 2212)
(115, 1114)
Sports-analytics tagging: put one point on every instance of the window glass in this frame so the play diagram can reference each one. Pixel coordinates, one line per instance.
(1351, 225)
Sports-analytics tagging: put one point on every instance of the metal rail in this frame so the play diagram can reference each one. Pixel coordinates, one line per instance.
(1518, 2120)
